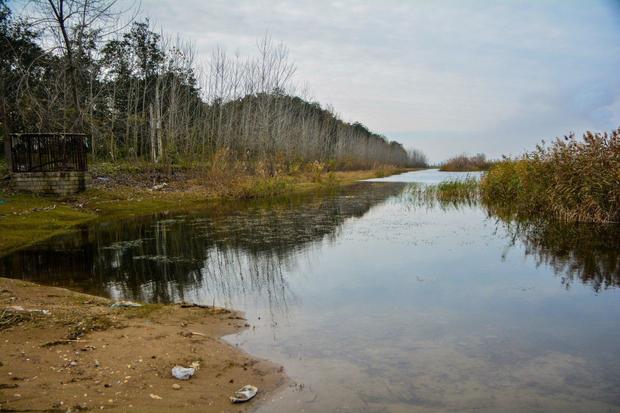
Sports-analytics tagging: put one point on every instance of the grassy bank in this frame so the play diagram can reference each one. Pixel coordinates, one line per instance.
(570, 180)
(122, 191)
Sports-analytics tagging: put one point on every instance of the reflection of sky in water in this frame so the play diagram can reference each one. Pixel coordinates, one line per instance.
(418, 310)
(427, 176)
(372, 304)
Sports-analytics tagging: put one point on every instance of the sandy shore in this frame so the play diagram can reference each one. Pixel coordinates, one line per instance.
(85, 355)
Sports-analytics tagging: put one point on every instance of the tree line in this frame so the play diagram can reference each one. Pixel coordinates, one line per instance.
(139, 95)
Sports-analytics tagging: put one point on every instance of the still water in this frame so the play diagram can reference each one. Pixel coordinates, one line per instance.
(374, 301)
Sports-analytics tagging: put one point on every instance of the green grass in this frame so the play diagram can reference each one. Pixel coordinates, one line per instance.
(26, 218)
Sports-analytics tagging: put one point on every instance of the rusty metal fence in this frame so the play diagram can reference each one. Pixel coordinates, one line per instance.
(48, 152)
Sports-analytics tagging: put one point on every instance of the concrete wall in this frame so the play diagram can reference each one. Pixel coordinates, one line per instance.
(51, 183)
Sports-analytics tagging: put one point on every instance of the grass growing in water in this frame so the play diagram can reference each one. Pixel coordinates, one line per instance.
(448, 194)
(571, 180)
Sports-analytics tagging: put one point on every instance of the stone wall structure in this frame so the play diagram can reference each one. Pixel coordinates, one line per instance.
(49, 163)
(51, 183)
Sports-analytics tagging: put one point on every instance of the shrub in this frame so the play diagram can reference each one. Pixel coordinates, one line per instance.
(571, 180)
(464, 163)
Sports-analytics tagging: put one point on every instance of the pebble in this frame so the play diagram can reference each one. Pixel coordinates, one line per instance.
(176, 386)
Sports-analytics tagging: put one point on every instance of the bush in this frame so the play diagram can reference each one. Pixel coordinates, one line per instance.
(571, 180)
(464, 163)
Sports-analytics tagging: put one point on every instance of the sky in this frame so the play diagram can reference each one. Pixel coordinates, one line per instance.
(446, 77)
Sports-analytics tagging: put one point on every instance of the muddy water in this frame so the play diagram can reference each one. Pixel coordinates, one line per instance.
(375, 302)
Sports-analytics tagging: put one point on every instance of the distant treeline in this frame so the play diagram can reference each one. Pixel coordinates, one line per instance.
(464, 163)
(140, 95)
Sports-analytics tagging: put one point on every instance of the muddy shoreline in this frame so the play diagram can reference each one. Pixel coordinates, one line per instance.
(85, 355)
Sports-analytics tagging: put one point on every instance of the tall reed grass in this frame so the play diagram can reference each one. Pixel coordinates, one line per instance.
(572, 180)
(451, 194)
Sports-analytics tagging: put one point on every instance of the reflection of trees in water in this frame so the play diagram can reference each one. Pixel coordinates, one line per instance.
(229, 251)
(586, 252)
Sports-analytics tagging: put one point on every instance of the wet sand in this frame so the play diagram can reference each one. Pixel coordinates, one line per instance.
(86, 355)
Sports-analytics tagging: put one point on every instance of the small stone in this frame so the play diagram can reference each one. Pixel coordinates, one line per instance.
(154, 396)
(176, 386)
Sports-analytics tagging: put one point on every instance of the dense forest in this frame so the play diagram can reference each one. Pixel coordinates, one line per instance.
(139, 95)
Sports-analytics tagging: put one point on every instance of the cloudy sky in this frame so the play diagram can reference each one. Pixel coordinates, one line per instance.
(443, 76)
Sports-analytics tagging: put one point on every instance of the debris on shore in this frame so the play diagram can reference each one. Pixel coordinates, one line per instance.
(62, 349)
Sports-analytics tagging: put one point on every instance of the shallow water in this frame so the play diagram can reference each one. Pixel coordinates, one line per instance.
(374, 302)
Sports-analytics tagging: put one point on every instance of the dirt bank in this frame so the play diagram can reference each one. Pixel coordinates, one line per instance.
(86, 355)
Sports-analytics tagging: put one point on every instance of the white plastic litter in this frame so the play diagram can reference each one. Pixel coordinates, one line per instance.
(244, 394)
(119, 304)
(183, 373)
(20, 309)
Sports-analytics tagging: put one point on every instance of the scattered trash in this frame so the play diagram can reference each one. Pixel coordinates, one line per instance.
(122, 304)
(183, 373)
(58, 342)
(49, 208)
(191, 333)
(154, 396)
(20, 309)
(244, 394)
(159, 187)
(189, 305)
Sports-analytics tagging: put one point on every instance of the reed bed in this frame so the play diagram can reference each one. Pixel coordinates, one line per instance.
(451, 194)
(571, 180)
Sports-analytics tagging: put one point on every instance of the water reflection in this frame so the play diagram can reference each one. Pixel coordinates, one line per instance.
(589, 253)
(242, 249)
(239, 250)
(396, 299)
